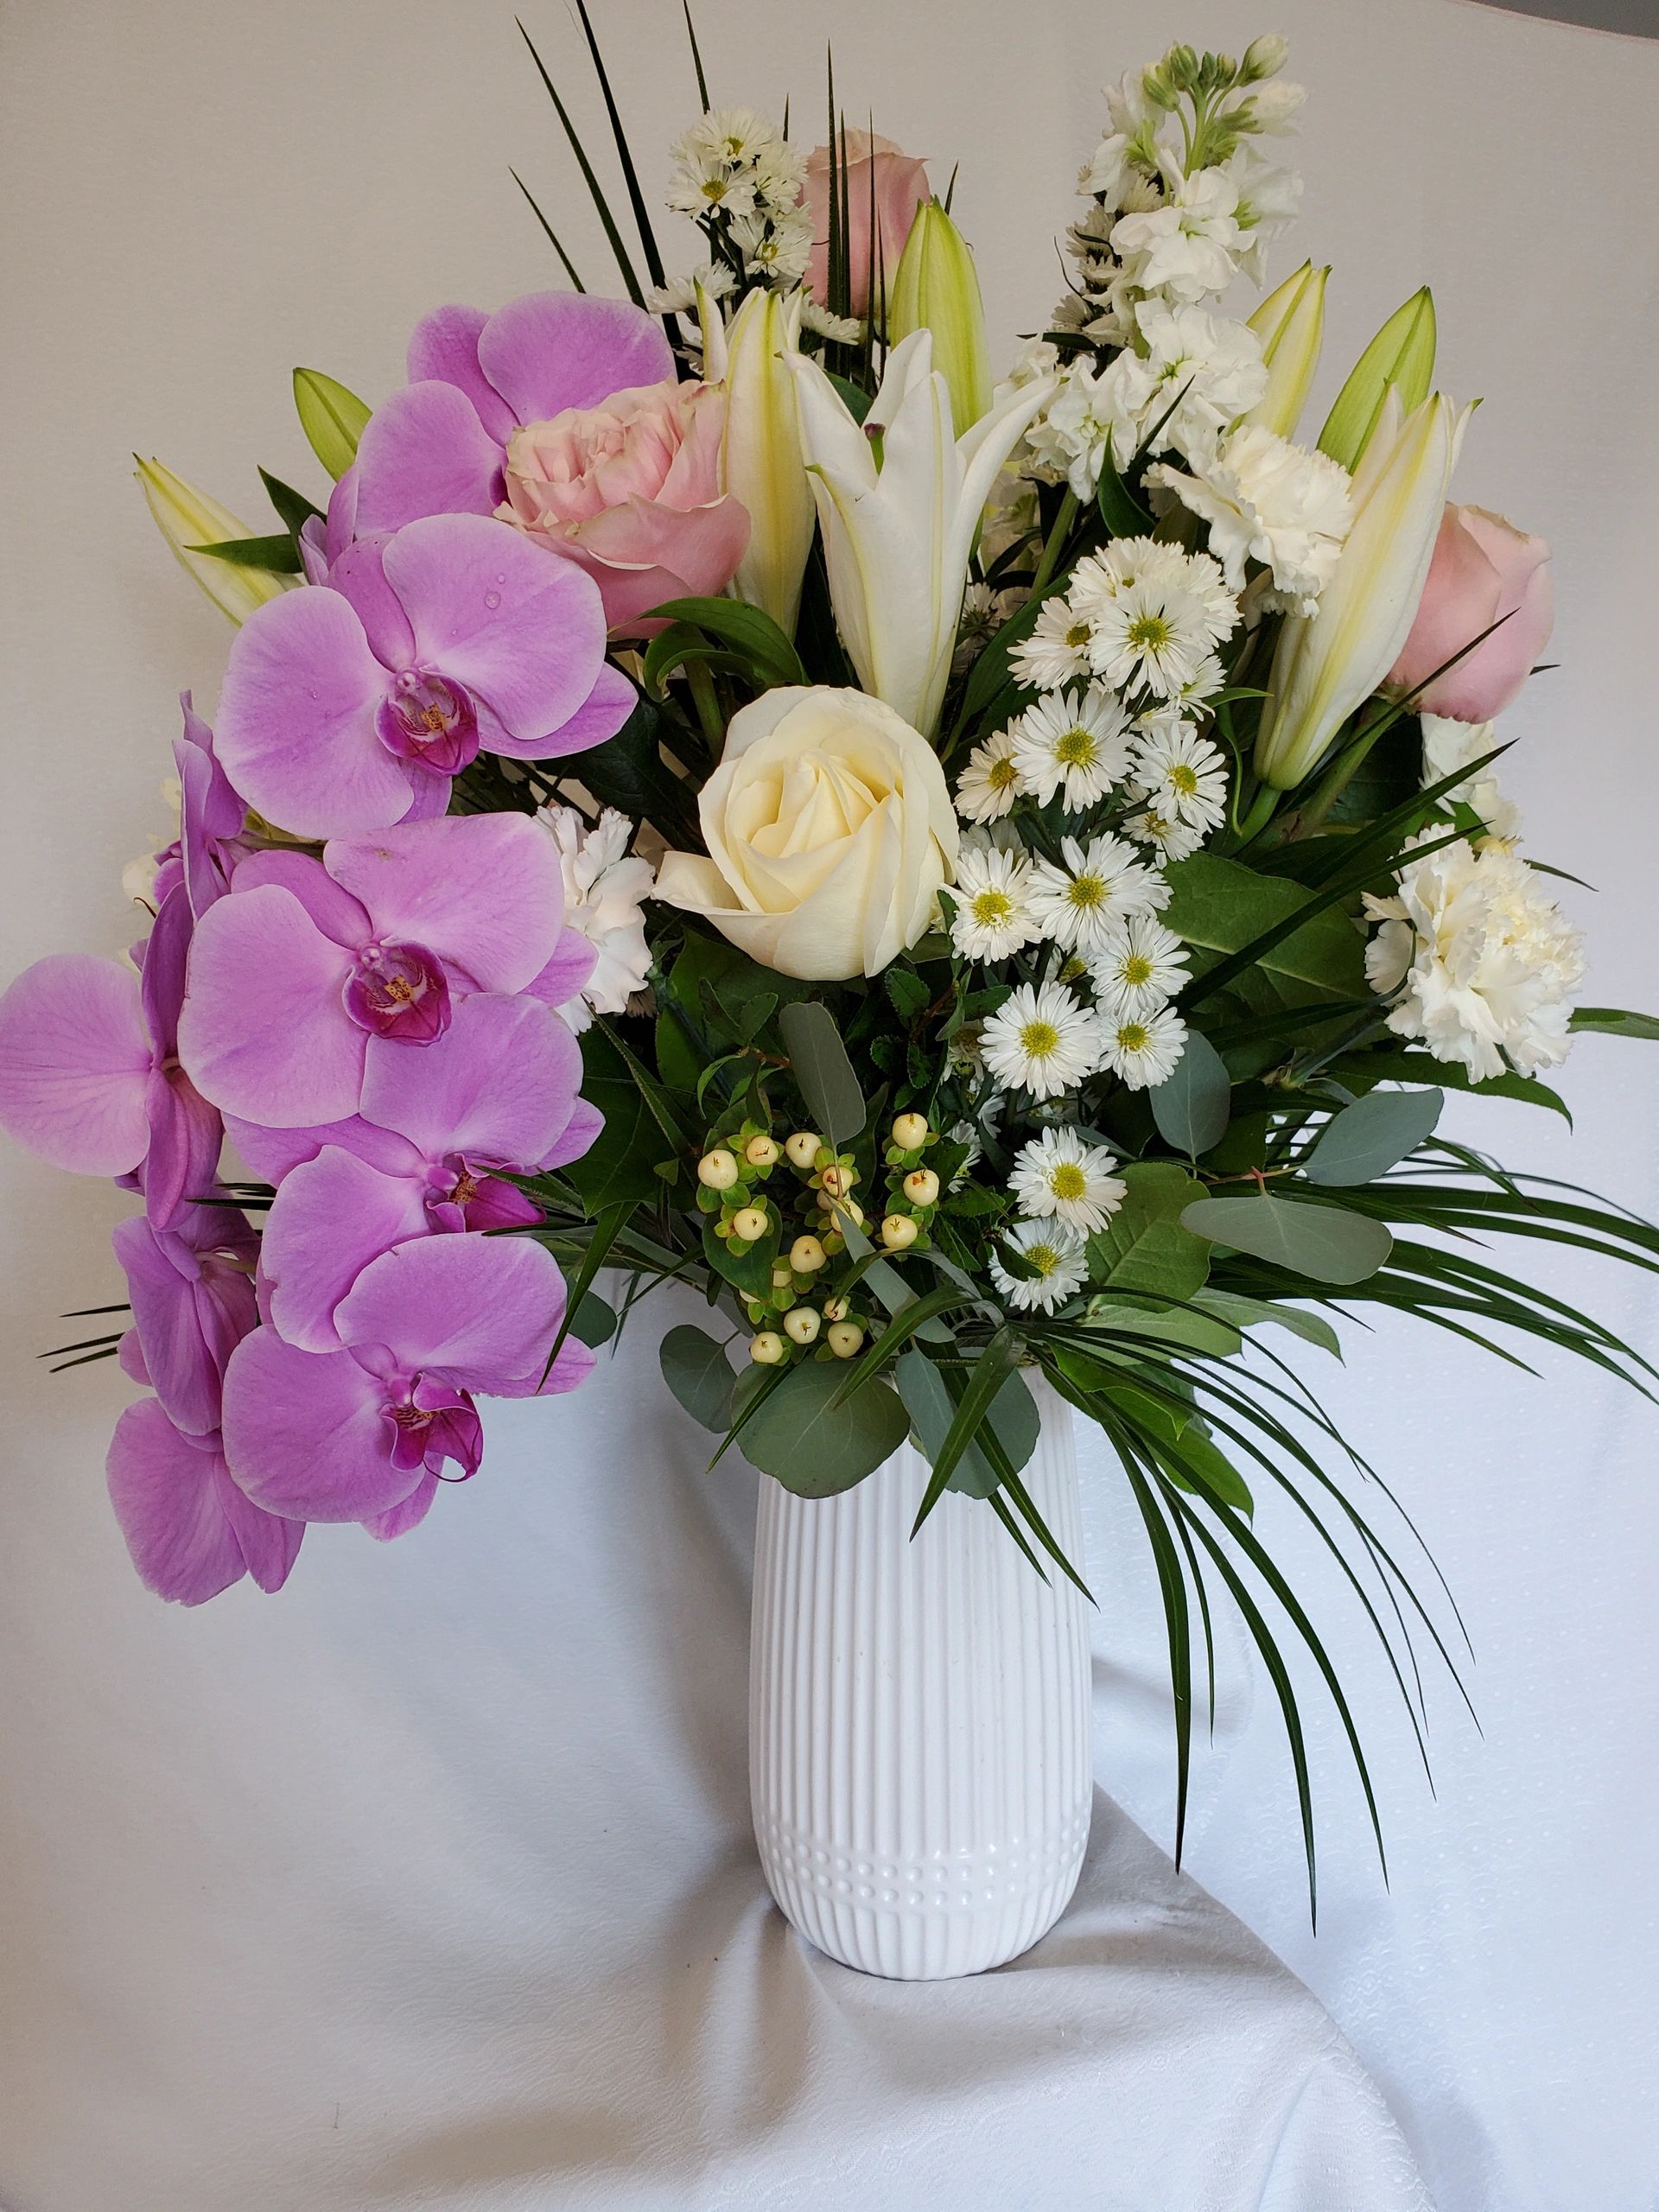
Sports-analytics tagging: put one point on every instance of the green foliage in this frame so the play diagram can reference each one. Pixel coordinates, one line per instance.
(1371, 1136)
(1220, 906)
(1324, 1243)
(696, 1368)
(1144, 1247)
(1192, 1106)
(332, 417)
(823, 1074)
(817, 1444)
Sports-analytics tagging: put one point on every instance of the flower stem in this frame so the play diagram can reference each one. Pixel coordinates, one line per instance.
(1055, 543)
(707, 706)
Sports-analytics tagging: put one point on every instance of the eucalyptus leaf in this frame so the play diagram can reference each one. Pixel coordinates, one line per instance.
(1193, 1103)
(1012, 1417)
(594, 1322)
(823, 1074)
(812, 1445)
(890, 1287)
(1326, 1244)
(1373, 1134)
(696, 1368)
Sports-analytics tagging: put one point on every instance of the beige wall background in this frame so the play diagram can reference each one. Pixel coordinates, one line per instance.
(199, 194)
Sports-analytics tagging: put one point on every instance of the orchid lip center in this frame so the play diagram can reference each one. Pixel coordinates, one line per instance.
(398, 991)
(430, 720)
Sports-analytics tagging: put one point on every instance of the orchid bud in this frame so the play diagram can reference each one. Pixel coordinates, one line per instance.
(188, 518)
(1401, 355)
(761, 459)
(936, 287)
(1290, 323)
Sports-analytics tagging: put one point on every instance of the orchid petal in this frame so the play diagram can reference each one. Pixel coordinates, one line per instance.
(524, 635)
(568, 972)
(579, 1134)
(480, 1311)
(263, 1035)
(601, 715)
(359, 577)
(496, 1087)
(270, 1542)
(331, 1217)
(75, 1063)
(185, 1134)
(272, 1153)
(552, 350)
(166, 1490)
(444, 345)
(484, 890)
(306, 1434)
(424, 452)
(336, 913)
(296, 718)
(189, 1316)
(400, 1519)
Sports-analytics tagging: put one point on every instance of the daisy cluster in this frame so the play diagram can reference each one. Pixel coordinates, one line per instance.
(739, 178)
(1073, 807)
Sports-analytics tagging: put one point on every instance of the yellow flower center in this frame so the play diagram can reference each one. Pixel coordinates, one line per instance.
(714, 187)
(1040, 1039)
(1002, 775)
(1043, 1258)
(1132, 1038)
(990, 907)
(1067, 1180)
(1136, 970)
(1077, 636)
(1086, 893)
(1076, 748)
(1150, 633)
(1184, 778)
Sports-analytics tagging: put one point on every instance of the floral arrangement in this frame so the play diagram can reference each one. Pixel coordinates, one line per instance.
(986, 881)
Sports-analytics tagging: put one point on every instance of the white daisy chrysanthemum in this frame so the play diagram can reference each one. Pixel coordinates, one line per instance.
(1060, 1175)
(679, 294)
(1075, 743)
(704, 183)
(1042, 1039)
(1142, 1049)
(839, 329)
(1138, 967)
(1124, 561)
(1171, 839)
(774, 245)
(993, 916)
(1100, 883)
(1182, 774)
(1056, 651)
(1058, 1255)
(1152, 634)
(989, 784)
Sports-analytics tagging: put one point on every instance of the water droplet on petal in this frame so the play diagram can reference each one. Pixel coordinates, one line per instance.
(491, 599)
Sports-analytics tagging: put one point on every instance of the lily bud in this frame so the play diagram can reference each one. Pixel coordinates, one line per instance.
(761, 459)
(936, 287)
(187, 517)
(1329, 663)
(1401, 355)
(1290, 323)
(332, 417)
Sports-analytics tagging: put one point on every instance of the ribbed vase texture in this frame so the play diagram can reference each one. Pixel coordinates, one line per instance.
(918, 1719)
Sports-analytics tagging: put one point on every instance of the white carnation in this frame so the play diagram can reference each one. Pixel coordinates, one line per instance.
(1448, 746)
(1479, 961)
(1268, 500)
(605, 888)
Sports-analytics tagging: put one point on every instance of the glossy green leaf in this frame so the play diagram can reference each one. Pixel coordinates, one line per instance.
(1220, 906)
(815, 1445)
(332, 417)
(1326, 1244)
(1144, 1247)
(295, 509)
(1193, 1103)
(621, 1162)
(749, 631)
(696, 1368)
(1371, 1136)
(1256, 1313)
(1209, 1332)
(990, 1369)
(1614, 1021)
(822, 1072)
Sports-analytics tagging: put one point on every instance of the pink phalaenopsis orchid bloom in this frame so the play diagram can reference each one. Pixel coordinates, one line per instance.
(351, 705)
(90, 1076)
(191, 1289)
(309, 967)
(364, 1433)
(497, 1092)
(191, 1532)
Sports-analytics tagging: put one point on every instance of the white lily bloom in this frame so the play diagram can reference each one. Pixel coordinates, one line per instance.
(1329, 663)
(898, 518)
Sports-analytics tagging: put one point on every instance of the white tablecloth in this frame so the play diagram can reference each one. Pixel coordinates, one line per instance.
(431, 1884)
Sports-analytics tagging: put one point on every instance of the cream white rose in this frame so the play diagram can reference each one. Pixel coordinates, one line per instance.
(830, 830)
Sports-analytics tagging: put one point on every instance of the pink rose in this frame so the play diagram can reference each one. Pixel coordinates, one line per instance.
(631, 490)
(1483, 570)
(879, 179)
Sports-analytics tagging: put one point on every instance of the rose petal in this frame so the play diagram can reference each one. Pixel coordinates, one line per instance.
(263, 1033)
(553, 350)
(75, 1063)
(485, 891)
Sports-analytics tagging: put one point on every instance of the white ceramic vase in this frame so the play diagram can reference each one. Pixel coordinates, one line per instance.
(919, 1719)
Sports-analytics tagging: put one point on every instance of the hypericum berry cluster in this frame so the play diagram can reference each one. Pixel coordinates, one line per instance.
(798, 1311)
(912, 1189)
